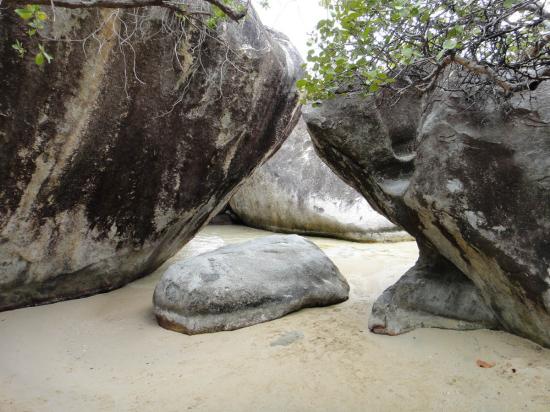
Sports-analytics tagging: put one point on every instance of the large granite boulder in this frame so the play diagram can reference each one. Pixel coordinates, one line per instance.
(295, 192)
(114, 155)
(245, 284)
(469, 178)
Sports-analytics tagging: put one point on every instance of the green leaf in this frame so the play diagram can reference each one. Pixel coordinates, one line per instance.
(25, 13)
(36, 24)
(43, 51)
(407, 52)
(302, 83)
(425, 17)
(39, 59)
(40, 15)
(18, 47)
(449, 44)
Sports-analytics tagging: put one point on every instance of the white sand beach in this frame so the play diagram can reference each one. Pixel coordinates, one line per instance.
(106, 353)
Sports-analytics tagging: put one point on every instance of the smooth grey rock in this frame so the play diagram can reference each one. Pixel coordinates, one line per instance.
(111, 159)
(469, 178)
(247, 283)
(295, 192)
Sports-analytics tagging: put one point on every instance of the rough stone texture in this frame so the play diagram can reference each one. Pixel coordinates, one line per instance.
(295, 192)
(112, 158)
(433, 293)
(470, 180)
(245, 284)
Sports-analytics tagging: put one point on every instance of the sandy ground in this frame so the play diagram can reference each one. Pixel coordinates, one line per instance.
(106, 353)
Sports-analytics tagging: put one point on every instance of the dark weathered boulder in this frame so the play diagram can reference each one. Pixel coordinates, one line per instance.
(470, 180)
(245, 284)
(295, 192)
(115, 154)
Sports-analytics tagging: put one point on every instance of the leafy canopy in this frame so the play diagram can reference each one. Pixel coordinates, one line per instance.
(371, 43)
(34, 18)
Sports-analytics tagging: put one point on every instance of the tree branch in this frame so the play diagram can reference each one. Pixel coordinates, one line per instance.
(484, 71)
(229, 11)
(478, 69)
(432, 77)
(232, 13)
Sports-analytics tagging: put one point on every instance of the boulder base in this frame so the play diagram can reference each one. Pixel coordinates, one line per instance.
(432, 294)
